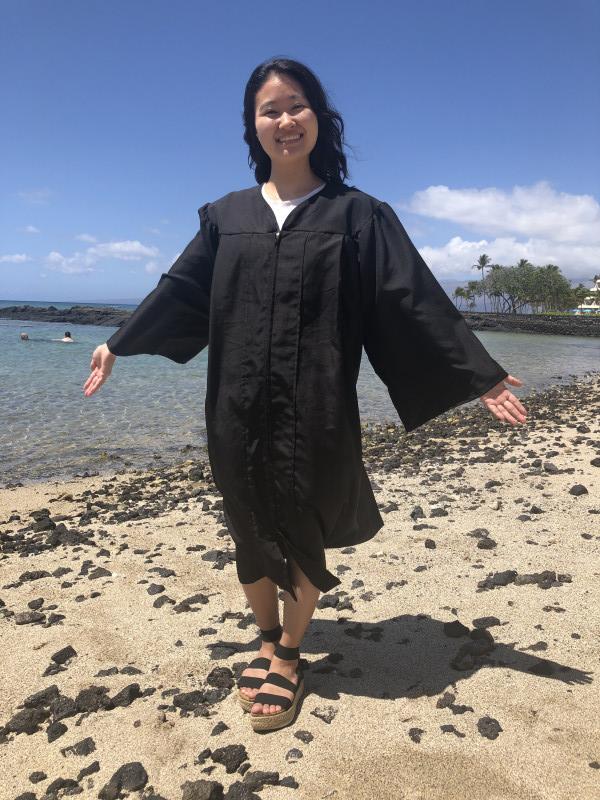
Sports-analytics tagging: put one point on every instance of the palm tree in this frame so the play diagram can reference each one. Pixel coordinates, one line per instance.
(459, 294)
(481, 264)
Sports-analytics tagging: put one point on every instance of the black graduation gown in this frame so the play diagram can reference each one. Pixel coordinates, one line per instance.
(286, 315)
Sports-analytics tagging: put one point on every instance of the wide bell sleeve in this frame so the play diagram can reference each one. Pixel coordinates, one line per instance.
(172, 321)
(416, 340)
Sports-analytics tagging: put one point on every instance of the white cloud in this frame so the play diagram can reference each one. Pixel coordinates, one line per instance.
(458, 255)
(537, 211)
(533, 222)
(155, 231)
(36, 196)
(87, 261)
(71, 265)
(86, 237)
(15, 258)
(29, 229)
(152, 267)
(126, 251)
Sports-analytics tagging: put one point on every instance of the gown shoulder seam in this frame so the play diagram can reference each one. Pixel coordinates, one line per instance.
(369, 219)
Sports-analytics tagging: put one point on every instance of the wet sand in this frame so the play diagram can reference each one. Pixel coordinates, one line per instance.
(458, 659)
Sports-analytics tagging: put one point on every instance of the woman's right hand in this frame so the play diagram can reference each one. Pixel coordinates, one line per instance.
(101, 366)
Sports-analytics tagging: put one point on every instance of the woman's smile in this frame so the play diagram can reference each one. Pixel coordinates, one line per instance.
(287, 128)
(290, 139)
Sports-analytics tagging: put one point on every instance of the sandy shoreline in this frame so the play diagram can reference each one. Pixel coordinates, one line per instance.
(397, 704)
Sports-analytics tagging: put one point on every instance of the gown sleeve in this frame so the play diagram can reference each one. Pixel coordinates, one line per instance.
(172, 321)
(416, 340)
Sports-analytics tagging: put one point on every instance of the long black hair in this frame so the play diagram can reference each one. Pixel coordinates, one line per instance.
(327, 159)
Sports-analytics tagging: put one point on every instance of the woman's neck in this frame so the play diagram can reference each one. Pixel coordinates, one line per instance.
(285, 185)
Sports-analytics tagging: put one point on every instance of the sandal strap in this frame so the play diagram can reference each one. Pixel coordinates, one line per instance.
(286, 653)
(278, 699)
(250, 682)
(253, 682)
(272, 635)
(273, 700)
(279, 680)
(261, 662)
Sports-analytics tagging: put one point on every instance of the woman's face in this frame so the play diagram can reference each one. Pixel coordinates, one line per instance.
(286, 125)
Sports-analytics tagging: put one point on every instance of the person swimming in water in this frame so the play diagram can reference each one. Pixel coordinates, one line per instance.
(66, 338)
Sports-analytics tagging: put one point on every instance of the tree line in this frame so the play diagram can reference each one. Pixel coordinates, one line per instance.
(523, 288)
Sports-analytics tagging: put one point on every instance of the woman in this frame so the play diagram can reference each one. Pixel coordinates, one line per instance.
(289, 280)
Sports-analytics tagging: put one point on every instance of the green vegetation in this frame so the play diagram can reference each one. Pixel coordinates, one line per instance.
(523, 288)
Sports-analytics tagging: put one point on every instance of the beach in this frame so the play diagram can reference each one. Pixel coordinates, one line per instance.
(458, 658)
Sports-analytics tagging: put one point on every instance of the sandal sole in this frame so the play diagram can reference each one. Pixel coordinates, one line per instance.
(271, 722)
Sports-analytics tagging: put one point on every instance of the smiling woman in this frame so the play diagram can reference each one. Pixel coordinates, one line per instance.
(287, 129)
(288, 298)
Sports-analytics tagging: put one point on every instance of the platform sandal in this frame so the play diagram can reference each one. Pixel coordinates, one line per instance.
(269, 722)
(260, 662)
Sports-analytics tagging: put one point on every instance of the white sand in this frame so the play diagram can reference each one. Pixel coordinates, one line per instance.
(550, 725)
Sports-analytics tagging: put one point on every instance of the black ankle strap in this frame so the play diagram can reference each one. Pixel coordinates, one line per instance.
(272, 635)
(287, 653)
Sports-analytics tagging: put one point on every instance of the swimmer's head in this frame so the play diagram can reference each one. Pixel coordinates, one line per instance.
(68, 333)
(24, 337)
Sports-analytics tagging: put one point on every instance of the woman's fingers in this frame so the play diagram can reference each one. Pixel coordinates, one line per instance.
(515, 405)
(92, 375)
(101, 366)
(506, 408)
(94, 382)
(94, 386)
(87, 387)
(519, 406)
(513, 380)
(503, 404)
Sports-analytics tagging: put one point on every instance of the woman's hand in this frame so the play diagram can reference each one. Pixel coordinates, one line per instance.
(101, 366)
(501, 402)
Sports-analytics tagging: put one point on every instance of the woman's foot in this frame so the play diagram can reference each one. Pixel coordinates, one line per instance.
(266, 651)
(286, 668)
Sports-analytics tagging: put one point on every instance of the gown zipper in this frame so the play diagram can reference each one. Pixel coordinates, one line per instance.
(268, 377)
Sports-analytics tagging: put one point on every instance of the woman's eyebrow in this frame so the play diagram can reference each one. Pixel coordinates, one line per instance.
(271, 102)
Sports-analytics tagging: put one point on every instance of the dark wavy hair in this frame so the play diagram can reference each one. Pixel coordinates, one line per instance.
(327, 159)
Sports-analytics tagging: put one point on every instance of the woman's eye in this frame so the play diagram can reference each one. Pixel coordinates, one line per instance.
(272, 111)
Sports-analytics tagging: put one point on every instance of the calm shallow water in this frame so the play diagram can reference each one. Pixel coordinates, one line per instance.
(153, 407)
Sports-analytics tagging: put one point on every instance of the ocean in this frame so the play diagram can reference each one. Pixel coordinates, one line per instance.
(151, 410)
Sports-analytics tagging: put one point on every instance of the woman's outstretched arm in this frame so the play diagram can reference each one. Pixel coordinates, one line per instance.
(173, 320)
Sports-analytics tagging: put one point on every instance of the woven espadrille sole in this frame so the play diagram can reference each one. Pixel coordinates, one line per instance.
(271, 722)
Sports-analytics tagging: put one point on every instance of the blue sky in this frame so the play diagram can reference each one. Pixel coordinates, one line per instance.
(478, 122)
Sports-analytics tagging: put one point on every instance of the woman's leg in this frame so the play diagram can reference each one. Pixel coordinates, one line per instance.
(262, 596)
(296, 616)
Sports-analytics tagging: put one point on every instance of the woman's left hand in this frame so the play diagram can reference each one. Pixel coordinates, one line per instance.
(501, 402)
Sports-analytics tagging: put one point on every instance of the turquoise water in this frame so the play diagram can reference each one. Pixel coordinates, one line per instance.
(151, 408)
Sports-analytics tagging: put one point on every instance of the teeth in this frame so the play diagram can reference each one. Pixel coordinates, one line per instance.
(290, 139)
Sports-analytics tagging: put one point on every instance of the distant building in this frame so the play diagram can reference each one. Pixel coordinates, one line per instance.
(591, 304)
